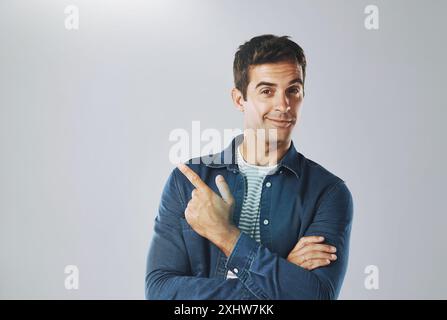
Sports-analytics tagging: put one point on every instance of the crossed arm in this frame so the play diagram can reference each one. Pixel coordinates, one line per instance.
(309, 272)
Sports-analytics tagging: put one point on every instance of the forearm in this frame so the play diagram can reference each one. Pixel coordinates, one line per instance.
(164, 285)
(170, 277)
(269, 276)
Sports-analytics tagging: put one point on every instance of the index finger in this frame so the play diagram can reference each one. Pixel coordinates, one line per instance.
(192, 177)
(308, 239)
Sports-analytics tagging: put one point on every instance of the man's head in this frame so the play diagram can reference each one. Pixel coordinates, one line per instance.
(269, 73)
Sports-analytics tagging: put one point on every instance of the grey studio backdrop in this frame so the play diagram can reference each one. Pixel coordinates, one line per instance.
(86, 116)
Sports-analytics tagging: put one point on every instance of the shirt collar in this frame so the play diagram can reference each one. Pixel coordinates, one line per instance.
(227, 158)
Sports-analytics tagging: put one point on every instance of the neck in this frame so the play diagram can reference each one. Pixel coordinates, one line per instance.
(263, 153)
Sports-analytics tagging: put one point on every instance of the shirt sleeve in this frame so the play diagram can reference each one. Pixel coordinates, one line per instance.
(269, 276)
(168, 274)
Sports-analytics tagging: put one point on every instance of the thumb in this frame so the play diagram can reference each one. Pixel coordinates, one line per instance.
(224, 190)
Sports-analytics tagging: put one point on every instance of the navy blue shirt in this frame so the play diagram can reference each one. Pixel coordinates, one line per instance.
(301, 199)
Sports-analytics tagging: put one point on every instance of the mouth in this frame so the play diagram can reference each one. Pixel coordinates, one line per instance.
(280, 123)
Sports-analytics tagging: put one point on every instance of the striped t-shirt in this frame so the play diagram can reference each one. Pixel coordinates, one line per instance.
(254, 177)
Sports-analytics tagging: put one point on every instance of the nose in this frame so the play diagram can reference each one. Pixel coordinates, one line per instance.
(282, 104)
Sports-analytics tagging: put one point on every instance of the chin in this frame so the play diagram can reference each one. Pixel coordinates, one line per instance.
(282, 134)
(282, 137)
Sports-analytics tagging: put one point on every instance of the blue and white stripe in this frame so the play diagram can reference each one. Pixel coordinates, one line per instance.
(254, 177)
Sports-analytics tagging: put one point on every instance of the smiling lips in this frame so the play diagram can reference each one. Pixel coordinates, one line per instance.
(281, 123)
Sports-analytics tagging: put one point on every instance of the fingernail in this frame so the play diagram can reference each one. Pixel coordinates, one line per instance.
(333, 256)
(321, 238)
(334, 249)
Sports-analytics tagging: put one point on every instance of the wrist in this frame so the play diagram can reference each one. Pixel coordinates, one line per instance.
(226, 241)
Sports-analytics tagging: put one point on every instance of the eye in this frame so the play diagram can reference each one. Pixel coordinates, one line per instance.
(294, 90)
(266, 91)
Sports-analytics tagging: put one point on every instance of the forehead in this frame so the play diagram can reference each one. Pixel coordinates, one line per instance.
(280, 72)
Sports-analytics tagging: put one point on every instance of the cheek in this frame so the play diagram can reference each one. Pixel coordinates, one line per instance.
(296, 105)
(258, 110)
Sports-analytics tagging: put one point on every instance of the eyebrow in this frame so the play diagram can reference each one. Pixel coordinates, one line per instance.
(270, 84)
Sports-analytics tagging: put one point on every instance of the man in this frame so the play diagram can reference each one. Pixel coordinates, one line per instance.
(254, 223)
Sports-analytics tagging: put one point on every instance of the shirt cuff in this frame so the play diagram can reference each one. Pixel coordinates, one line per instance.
(242, 255)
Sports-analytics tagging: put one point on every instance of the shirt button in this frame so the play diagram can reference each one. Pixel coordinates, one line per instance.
(235, 270)
(280, 172)
(268, 184)
(234, 171)
(266, 222)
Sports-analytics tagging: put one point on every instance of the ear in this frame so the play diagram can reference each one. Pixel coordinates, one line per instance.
(238, 99)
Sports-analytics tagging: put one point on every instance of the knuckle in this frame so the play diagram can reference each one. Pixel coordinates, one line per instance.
(307, 255)
(320, 263)
(311, 246)
(314, 254)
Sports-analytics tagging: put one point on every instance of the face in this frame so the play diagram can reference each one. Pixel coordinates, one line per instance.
(274, 98)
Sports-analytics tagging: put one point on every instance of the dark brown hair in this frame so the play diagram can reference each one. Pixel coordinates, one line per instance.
(267, 48)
